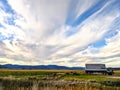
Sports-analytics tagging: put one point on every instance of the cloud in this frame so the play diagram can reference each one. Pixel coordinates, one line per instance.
(59, 32)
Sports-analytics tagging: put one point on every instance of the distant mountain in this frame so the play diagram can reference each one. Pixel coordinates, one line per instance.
(49, 67)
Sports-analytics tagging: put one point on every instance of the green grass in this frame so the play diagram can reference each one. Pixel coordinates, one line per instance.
(27, 77)
(88, 77)
(23, 73)
(62, 74)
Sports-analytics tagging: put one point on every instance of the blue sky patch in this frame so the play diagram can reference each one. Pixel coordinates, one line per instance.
(99, 43)
(7, 8)
(89, 12)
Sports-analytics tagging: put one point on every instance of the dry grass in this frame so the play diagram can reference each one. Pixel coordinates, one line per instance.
(27, 78)
(117, 72)
(32, 70)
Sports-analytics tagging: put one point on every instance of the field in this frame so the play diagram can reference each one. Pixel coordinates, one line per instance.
(57, 79)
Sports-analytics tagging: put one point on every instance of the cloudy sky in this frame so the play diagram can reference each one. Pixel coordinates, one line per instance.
(60, 32)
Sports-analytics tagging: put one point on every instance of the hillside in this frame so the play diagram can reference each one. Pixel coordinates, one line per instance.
(55, 67)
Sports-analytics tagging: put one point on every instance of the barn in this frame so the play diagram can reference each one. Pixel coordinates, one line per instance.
(95, 68)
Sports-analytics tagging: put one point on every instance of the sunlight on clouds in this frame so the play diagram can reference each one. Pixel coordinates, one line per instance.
(107, 54)
(20, 62)
(43, 33)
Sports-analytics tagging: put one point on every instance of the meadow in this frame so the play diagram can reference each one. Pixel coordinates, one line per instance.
(57, 80)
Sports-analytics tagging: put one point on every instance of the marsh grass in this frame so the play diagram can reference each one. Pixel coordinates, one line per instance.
(56, 80)
(53, 85)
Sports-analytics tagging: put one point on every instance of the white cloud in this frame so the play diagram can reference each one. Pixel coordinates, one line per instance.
(40, 33)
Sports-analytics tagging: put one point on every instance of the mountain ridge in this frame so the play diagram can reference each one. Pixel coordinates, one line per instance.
(49, 67)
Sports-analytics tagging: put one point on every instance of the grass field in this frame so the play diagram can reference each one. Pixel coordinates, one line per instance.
(61, 78)
(62, 74)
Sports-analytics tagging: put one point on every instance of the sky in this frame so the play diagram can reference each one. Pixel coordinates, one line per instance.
(60, 32)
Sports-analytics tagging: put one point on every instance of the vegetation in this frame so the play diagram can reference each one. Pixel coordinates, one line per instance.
(57, 79)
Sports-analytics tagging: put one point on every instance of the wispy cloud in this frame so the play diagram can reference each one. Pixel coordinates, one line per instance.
(62, 32)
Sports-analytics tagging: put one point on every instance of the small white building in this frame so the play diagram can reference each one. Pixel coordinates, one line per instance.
(95, 68)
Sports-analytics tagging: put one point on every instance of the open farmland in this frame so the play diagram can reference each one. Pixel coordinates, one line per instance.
(57, 80)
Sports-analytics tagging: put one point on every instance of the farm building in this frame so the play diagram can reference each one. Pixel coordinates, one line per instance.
(95, 68)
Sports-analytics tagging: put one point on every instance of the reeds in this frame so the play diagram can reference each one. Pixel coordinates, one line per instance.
(55, 80)
(57, 85)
